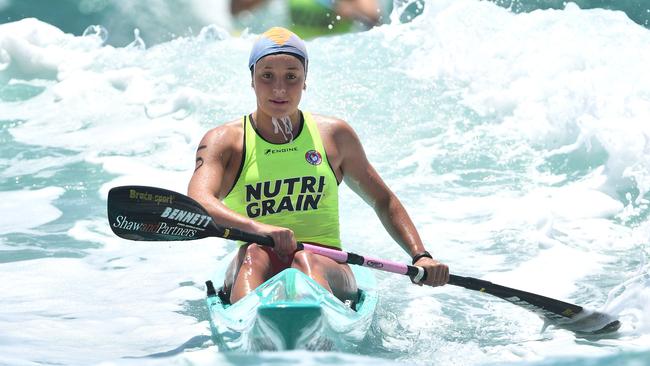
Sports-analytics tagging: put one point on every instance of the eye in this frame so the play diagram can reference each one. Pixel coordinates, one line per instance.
(266, 75)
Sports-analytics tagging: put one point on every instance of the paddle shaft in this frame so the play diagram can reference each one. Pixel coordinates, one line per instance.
(156, 214)
(503, 292)
(337, 255)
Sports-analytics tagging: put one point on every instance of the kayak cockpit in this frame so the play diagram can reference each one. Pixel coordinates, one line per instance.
(291, 311)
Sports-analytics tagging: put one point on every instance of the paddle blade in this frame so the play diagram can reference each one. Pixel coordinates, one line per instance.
(589, 323)
(554, 312)
(155, 214)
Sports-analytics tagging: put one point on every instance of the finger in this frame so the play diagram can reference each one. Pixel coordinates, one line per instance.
(293, 245)
(441, 275)
(291, 242)
(435, 276)
(288, 242)
(444, 275)
(431, 276)
(282, 244)
(279, 242)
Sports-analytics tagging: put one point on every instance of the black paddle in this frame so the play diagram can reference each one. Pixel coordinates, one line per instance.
(155, 214)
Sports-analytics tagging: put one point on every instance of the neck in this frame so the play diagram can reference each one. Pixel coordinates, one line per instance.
(264, 126)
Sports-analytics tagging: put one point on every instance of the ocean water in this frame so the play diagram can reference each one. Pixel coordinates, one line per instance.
(518, 141)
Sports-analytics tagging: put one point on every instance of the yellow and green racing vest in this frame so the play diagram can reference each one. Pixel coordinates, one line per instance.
(314, 18)
(289, 185)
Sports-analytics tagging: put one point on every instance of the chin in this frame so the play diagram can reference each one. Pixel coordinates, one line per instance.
(280, 112)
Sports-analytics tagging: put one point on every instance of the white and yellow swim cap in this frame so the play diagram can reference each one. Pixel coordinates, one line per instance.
(278, 40)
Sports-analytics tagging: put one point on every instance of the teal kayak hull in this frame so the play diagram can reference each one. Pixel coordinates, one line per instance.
(292, 311)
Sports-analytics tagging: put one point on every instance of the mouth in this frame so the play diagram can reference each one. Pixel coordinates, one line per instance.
(279, 101)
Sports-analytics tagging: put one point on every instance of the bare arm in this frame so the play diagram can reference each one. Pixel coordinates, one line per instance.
(237, 6)
(213, 162)
(366, 11)
(212, 157)
(363, 179)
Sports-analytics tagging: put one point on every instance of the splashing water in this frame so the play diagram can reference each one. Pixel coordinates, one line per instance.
(517, 142)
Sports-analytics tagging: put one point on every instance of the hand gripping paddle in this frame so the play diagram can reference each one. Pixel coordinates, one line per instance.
(155, 214)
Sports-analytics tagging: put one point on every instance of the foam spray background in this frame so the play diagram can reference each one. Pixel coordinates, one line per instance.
(518, 143)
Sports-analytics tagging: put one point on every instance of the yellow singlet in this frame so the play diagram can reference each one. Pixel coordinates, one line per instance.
(290, 185)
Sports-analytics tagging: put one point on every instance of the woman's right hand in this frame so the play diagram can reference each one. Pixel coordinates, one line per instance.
(283, 239)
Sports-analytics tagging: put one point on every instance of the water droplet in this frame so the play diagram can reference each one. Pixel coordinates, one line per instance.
(96, 31)
(213, 33)
(137, 42)
(5, 59)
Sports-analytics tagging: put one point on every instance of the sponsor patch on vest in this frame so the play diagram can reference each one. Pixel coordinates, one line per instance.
(300, 194)
(281, 150)
(313, 157)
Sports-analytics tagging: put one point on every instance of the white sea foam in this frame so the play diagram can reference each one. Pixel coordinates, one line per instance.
(510, 139)
(118, 301)
(27, 209)
(553, 87)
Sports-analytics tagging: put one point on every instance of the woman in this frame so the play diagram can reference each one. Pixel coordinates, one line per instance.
(276, 172)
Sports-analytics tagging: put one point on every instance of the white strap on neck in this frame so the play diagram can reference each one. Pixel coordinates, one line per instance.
(287, 130)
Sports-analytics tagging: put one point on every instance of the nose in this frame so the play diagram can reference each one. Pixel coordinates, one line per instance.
(279, 92)
(279, 88)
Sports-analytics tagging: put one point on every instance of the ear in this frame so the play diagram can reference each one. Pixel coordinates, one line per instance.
(304, 86)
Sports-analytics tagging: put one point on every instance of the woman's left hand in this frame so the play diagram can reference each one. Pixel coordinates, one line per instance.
(437, 273)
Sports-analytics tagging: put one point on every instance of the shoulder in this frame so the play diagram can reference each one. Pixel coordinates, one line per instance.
(225, 135)
(335, 128)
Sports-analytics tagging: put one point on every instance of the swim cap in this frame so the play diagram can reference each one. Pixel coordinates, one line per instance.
(278, 40)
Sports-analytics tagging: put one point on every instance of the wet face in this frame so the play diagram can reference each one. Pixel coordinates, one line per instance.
(278, 81)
